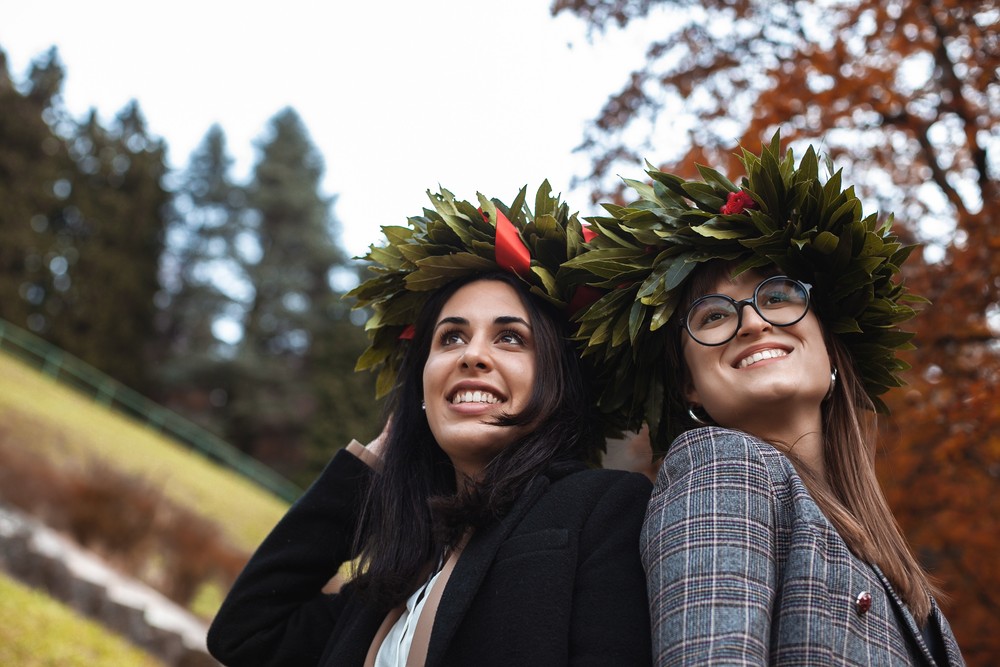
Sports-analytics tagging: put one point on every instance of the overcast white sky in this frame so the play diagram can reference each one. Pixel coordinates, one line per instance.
(399, 96)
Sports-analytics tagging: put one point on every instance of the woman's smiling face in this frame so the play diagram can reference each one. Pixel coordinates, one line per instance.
(481, 366)
(765, 374)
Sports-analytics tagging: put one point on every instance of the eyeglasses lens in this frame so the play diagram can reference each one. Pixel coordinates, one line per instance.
(714, 319)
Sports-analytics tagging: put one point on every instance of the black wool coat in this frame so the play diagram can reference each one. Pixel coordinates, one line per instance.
(557, 581)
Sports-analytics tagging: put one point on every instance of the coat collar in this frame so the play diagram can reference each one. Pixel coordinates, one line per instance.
(951, 647)
(947, 635)
(471, 569)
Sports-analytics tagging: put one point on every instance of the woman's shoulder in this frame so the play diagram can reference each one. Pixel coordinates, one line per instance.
(593, 497)
(714, 449)
(715, 443)
(605, 478)
(594, 484)
(715, 471)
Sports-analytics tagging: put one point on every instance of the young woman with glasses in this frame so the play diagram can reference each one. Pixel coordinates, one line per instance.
(766, 330)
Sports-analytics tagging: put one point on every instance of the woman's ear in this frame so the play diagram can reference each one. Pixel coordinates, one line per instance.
(690, 393)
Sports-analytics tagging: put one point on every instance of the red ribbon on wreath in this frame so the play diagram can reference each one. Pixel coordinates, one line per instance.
(511, 253)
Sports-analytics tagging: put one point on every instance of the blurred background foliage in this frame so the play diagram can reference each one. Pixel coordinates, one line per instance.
(221, 299)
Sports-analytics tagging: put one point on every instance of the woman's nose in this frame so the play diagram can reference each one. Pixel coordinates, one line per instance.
(751, 322)
(476, 356)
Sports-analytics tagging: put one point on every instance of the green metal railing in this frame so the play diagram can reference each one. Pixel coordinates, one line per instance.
(107, 391)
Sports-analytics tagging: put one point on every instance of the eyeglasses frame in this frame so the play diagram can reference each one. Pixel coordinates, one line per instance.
(752, 302)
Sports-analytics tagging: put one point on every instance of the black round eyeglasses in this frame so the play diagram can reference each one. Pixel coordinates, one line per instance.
(714, 319)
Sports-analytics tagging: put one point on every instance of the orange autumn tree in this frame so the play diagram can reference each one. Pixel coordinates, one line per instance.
(904, 94)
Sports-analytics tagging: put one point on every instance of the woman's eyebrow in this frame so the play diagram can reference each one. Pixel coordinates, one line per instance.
(511, 319)
(452, 320)
(502, 319)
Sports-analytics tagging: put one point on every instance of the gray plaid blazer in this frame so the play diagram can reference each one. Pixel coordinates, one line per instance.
(744, 569)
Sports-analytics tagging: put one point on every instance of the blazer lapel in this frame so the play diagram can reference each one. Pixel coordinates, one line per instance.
(355, 641)
(904, 614)
(475, 561)
(947, 636)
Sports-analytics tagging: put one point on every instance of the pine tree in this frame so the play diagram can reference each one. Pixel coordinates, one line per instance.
(261, 258)
(34, 166)
(80, 225)
(114, 214)
(205, 286)
(344, 400)
(200, 252)
(273, 398)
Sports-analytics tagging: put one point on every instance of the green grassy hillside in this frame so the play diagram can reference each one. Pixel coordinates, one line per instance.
(72, 429)
(100, 450)
(36, 631)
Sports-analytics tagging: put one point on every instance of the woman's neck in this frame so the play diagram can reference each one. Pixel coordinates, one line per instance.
(801, 438)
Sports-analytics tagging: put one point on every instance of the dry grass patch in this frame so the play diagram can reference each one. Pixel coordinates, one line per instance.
(153, 508)
(72, 430)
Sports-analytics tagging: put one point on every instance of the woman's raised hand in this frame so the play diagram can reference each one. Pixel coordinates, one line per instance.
(377, 446)
(632, 452)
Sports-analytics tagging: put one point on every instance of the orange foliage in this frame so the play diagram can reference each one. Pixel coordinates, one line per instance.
(903, 95)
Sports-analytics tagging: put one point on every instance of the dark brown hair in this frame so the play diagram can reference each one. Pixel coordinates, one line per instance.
(413, 511)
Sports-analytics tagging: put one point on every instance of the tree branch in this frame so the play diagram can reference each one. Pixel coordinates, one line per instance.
(961, 106)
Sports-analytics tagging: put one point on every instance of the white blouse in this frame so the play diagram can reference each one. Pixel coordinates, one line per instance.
(395, 648)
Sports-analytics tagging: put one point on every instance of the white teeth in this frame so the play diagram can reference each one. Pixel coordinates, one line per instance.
(474, 397)
(763, 354)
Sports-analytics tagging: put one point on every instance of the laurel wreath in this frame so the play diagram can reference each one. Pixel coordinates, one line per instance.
(453, 239)
(811, 229)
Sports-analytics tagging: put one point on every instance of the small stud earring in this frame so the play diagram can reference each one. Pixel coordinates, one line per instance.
(423, 405)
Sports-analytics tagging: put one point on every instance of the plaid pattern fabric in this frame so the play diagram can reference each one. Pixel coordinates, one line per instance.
(744, 569)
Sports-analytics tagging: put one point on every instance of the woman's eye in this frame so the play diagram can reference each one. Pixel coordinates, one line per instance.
(450, 338)
(511, 338)
(777, 298)
(713, 317)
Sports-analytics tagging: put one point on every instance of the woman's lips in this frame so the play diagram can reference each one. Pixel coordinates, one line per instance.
(761, 355)
(474, 396)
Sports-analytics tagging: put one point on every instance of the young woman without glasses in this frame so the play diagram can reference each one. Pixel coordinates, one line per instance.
(481, 535)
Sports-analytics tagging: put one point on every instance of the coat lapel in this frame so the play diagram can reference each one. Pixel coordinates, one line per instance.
(947, 636)
(472, 566)
(905, 616)
(353, 645)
